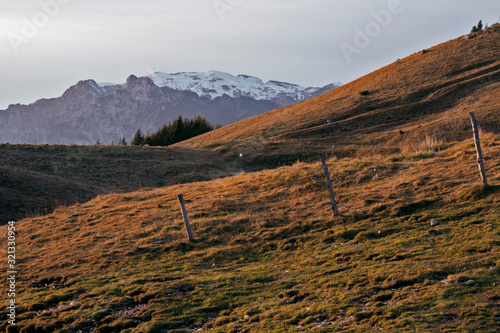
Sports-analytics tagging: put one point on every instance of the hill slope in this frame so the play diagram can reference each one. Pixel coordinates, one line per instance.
(269, 257)
(84, 172)
(428, 94)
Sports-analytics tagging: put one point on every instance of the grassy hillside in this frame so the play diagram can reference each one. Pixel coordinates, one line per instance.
(269, 256)
(90, 171)
(424, 97)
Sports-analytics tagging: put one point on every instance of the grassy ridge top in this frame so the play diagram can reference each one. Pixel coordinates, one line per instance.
(268, 255)
(426, 94)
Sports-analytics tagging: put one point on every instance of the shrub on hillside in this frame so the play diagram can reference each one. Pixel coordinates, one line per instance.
(479, 27)
(123, 142)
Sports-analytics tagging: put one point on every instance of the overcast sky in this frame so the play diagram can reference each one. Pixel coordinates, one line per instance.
(48, 45)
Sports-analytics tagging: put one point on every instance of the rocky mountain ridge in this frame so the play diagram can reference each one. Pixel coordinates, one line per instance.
(91, 111)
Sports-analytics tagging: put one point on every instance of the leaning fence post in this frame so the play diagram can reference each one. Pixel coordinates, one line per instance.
(185, 216)
(480, 162)
(329, 184)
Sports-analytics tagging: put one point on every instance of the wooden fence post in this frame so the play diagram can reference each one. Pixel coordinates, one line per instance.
(478, 149)
(329, 184)
(185, 216)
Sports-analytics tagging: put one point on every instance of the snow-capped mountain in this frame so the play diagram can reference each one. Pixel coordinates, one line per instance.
(89, 110)
(214, 84)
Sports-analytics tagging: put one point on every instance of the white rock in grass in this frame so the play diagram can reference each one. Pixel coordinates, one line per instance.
(434, 222)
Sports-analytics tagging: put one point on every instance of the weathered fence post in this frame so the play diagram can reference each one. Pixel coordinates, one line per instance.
(185, 216)
(329, 184)
(74, 196)
(478, 149)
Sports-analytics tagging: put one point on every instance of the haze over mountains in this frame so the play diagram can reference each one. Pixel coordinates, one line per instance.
(89, 111)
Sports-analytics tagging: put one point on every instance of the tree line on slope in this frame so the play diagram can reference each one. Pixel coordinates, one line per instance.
(176, 131)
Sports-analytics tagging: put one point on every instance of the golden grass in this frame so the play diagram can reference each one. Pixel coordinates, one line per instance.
(269, 256)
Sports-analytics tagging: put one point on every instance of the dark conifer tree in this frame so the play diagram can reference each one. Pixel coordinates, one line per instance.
(138, 139)
(176, 131)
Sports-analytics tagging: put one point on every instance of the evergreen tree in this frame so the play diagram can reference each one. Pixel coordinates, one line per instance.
(138, 139)
(478, 28)
(176, 131)
(199, 126)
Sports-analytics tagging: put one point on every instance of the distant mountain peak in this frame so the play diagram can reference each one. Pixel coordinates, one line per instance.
(137, 83)
(84, 87)
(88, 110)
(214, 84)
